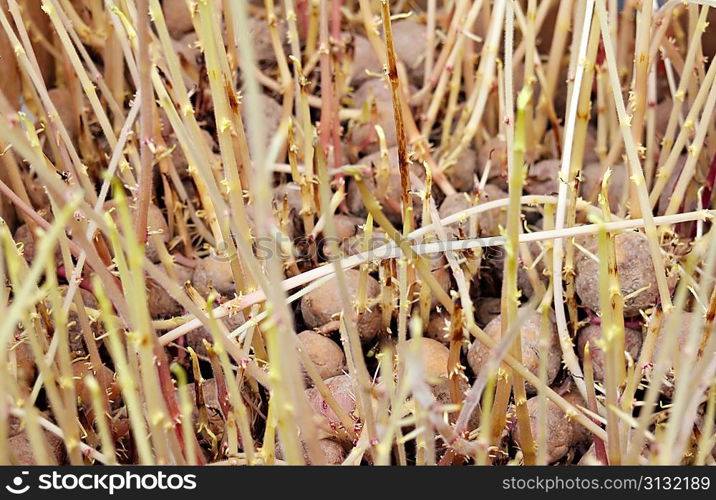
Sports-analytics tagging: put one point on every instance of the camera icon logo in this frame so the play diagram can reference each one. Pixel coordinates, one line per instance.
(17, 487)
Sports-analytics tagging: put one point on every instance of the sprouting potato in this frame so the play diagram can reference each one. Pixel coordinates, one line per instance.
(593, 334)
(543, 177)
(325, 354)
(105, 379)
(410, 40)
(161, 304)
(178, 17)
(341, 388)
(531, 333)
(462, 173)
(591, 187)
(562, 432)
(213, 273)
(323, 305)
(438, 328)
(635, 271)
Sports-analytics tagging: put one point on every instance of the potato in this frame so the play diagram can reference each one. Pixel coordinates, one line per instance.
(438, 327)
(435, 363)
(178, 17)
(25, 363)
(10, 84)
(63, 101)
(592, 334)
(495, 151)
(391, 201)
(364, 60)
(543, 178)
(488, 223)
(410, 39)
(105, 379)
(530, 331)
(618, 191)
(435, 358)
(341, 388)
(161, 304)
(213, 273)
(452, 204)
(487, 309)
(21, 450)
(634, 270)
(24, 238)
(362, 138)
(562, 433)
(323, 304)
(326, 355)
(496, 264)
(462, 173)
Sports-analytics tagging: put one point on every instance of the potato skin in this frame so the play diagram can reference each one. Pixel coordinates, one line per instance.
(161, 304)
(213, 273)
(479, 354)
(321, 305)
(591, 333)
(434, 357)
(325, 354)
(341, 388)
(562, 433)
(634, 269)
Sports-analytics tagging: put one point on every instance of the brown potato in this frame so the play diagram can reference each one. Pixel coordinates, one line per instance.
(438, 327)
(326, 355)
(530, 331)
(592, 334)
(435, 358)
(178, 17)
(213, 273)
(64, 102)
(495, 151)
(462, 173)
(543, 177)
(341, 388)
(22, 453)
(161, 304)
(562, 433)
(323, 304)
(617, 190)
(105, 378)
(634, 270)
(487, 309)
